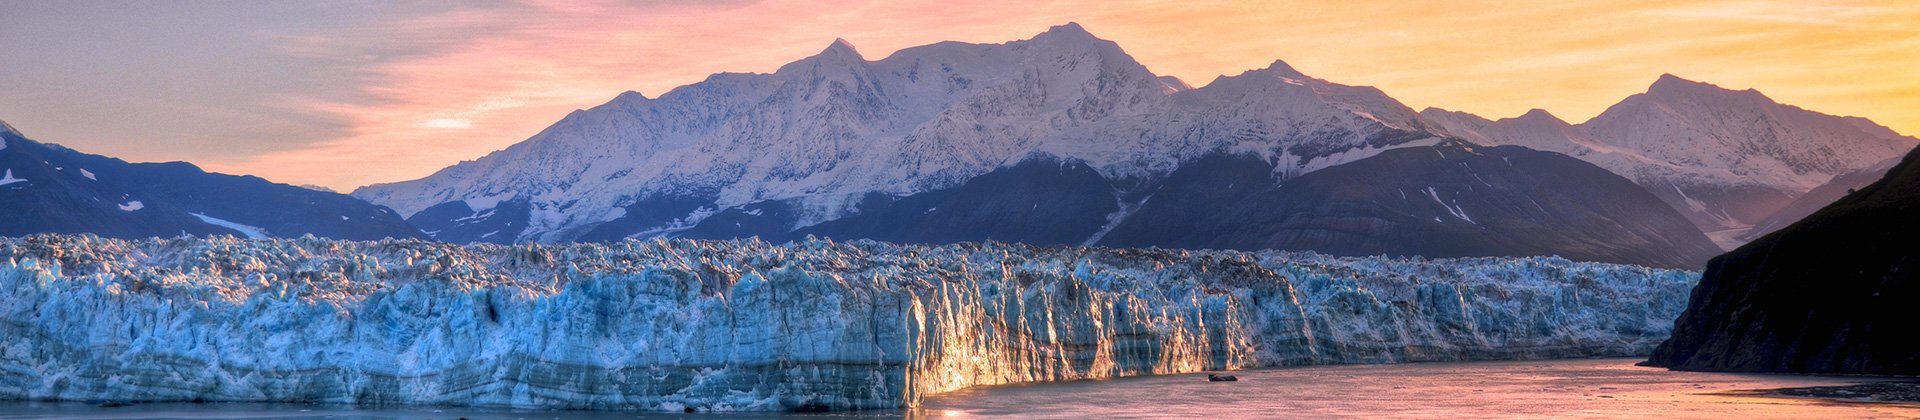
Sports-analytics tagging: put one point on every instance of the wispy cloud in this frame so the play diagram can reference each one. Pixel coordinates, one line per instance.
(1798, 13)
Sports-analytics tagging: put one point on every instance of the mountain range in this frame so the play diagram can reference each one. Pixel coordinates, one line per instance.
(823, 133)
(49, 188)
(1065, 139)
(1726, 159)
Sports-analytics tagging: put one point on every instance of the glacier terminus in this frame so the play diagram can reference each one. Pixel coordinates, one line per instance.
(746, 325)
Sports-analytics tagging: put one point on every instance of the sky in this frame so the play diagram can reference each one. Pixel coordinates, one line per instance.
(347, 93)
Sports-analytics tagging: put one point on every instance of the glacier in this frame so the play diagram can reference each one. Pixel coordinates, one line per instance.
(746, 325)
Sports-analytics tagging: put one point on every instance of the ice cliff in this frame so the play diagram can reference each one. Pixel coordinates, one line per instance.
(747, 325)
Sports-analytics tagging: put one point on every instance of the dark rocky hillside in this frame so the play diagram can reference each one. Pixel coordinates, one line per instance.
(1832, 293)
(1450, 200)
(47, 188)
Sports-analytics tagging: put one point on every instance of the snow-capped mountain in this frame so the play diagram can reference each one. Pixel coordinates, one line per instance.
(1727, 159)
(820, 135)
(1065, 139)
(1537, 129)
(49, 188)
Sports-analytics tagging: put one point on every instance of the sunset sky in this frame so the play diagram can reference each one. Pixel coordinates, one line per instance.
(346, 93)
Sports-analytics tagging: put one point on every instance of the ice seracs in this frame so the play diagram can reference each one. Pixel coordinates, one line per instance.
(750, 326)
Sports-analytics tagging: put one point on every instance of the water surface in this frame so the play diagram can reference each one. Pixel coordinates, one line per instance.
(1594, 388)
(1588, 388)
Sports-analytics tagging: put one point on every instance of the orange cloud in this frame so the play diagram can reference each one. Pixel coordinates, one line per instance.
(493, 77)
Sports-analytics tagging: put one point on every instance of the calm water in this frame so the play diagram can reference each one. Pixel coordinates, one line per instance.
(1605, 388)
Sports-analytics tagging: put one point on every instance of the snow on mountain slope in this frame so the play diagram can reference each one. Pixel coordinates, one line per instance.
(8, 178)
(1721, 137)
(821, 133)
(1298, 122)
(1819, 197)
(831, 124)
(1724, 158)
(677, 325)
(251, 232)
(1172, 84)
(1537, 129)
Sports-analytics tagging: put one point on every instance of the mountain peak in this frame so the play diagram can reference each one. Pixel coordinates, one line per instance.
(1072, 39)
(1280, 67)
(631, 96)
(5, 128)
(1538, 119)
(1069, 29)
(1437, 111)
(838, 54)
(1538, 114)
(840, 46)
(1669, 85)
(1173, 84)
(1071, 35)
(1278, 70)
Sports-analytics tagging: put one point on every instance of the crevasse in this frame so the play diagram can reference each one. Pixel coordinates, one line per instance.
(748, 325)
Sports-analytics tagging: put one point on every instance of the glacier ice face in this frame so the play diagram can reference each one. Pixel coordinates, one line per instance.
(747, 325)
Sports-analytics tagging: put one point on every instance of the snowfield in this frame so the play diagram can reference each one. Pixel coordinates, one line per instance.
(750, 326)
